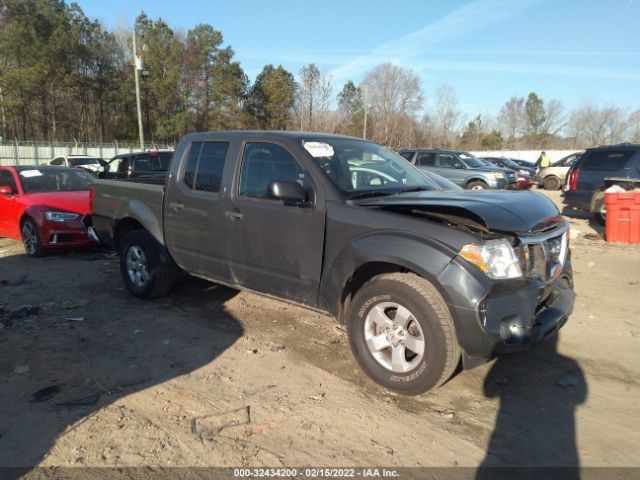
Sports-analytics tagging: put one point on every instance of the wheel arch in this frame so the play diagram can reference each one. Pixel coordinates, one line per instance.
(371, 256)
(475, 179)
(124, 227)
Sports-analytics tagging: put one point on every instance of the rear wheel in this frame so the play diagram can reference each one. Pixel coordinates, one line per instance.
(552, 183)
(600, 213)
(402, 334)
(145, 266)
(477, 185)
(31, 239)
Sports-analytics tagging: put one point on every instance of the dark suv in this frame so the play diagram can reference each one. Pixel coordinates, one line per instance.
(597, 169)
(462, 168)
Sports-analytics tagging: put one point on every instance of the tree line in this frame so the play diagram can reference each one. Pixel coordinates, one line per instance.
(64, 77)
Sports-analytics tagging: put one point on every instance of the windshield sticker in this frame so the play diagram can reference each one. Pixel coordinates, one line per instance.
(31, 173)
(319, 149)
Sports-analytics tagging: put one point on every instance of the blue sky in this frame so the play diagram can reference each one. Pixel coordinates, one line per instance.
(489, 50)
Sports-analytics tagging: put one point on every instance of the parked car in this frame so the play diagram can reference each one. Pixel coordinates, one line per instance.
(525, 174)
(423, 278)
(523, 163)
(150, 165)
(87, 162)
(553, 176)
(596, 169)
(45, 207)
(462, 168)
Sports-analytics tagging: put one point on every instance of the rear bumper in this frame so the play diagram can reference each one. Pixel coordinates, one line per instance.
(492, 318)
(578, 199)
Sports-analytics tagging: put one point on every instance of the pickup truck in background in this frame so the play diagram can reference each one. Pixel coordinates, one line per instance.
(151, 165)
(424, 279)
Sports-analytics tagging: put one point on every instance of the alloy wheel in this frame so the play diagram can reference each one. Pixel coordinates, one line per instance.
(394, 337)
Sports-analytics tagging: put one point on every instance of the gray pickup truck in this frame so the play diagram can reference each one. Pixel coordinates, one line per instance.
(424, 279)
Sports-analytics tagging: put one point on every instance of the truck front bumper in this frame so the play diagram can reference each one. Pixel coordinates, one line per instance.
(492, 318)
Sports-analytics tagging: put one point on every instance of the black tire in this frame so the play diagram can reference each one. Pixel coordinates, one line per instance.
(552, 183)
(152, 276)
(425, 305)
(31, 239)
(477, 185)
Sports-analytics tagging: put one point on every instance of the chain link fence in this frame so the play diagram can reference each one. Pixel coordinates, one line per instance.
(40, 153)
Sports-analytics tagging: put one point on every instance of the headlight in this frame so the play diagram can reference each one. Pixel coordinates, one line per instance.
(497, 174)
(496, 258)
(60, 216)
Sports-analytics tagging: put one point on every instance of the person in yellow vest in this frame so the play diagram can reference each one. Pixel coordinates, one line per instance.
(542, 162)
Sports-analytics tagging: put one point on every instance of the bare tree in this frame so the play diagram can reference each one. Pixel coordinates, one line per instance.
(448, 117)
(313, 99)
(326, 119)
(554, 118)
(634, 126)
(394, 97)
(511, 120)
(592, 126)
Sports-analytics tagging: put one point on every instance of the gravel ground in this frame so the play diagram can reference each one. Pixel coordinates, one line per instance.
(209, 376)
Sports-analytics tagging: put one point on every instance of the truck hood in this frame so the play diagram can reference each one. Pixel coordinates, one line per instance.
(514, 212)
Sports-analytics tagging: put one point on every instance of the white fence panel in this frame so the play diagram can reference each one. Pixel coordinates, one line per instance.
(35, 153)
(528, 155)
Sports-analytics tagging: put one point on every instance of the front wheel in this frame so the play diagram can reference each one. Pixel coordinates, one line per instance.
(146, 268)
(477, 185)
(402, 334)
(31, 239)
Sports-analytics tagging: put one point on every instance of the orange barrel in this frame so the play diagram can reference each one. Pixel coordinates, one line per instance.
(623, 217)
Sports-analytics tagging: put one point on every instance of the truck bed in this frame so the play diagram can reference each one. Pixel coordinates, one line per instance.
(139, 199)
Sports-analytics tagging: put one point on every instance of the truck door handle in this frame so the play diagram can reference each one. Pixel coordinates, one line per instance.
(177, 206)
(233, 215)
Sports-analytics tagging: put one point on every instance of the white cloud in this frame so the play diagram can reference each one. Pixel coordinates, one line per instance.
(425, 66)
(472, 17)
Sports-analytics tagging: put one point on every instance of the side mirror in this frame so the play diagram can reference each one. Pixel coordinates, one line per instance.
(6, 190)
(459, 166)
(288, 192)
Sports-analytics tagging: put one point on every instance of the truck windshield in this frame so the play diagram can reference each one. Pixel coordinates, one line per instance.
(55, 180)
(359, 168)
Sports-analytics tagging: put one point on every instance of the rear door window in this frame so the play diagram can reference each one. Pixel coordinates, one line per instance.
(426, 159)
(407, 155)
(210, 166)
(204, 166)
(607, 159)
(189, 173)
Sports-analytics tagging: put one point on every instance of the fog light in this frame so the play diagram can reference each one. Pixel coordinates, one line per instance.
(511, 331)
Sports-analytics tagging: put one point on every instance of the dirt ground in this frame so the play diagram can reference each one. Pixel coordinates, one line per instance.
(168, 376)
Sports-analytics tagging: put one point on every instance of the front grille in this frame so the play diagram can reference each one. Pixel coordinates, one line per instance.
(543, 257)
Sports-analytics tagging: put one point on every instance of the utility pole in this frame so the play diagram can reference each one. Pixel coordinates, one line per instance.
(137, 66)
(4, 119)
(366, 110)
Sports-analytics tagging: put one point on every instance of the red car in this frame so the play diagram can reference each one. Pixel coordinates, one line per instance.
(44, 207)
